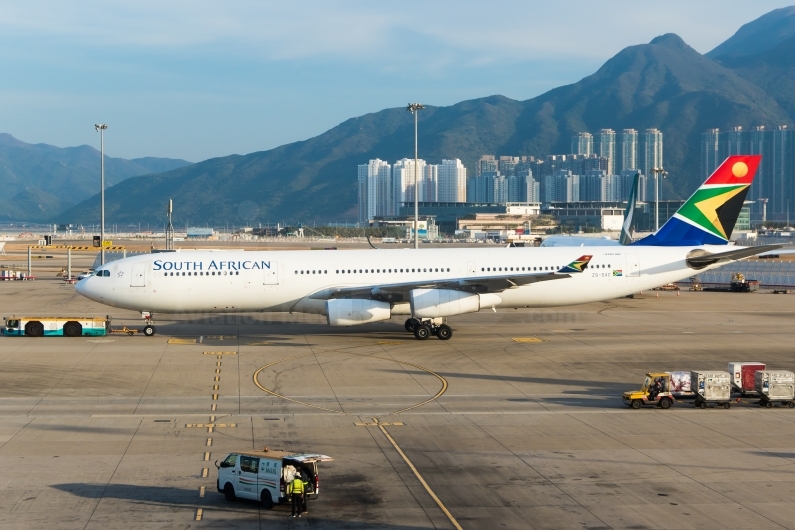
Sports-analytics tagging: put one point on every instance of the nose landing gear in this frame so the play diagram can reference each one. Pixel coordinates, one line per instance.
(149, 328)
(423, 329)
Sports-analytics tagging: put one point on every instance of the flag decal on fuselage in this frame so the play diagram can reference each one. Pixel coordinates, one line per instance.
(577, 265)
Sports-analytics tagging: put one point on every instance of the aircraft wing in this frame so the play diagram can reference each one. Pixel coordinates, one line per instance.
(397, 292)
(701, 259)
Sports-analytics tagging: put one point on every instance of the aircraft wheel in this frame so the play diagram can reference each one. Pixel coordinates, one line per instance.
(411, 324)
(422, 332)
(444, 332)
(149, 331)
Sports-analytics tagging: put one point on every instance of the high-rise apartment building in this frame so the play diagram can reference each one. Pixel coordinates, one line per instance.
(710, 152)
(374, 180)
(582, 144)
(452, 181)
(487, 164)
(430, 183)
(403, 175)
(775, 176)
(605, 146)
(627, 151)
(652, 145)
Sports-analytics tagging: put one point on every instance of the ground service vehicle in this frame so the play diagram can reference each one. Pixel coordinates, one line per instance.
(656, 390)
(263, 475)
(711, 387)
(775, 386)
(739, 284)
(57, 326)
(742, 375)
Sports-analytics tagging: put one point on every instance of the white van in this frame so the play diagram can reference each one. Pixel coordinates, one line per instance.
(262, 475)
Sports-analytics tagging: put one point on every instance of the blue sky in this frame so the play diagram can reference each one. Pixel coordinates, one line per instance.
(200, 79)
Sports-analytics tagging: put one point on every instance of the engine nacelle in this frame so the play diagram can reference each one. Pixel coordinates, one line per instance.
(434, 303)
(351, 312)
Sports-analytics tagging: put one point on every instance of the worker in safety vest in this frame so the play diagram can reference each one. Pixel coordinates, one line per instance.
(296, 491)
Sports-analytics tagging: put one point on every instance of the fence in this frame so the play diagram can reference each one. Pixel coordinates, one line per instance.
(771, 274)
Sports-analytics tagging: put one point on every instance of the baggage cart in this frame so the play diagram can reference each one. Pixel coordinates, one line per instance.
(711, 387)
(775, 386)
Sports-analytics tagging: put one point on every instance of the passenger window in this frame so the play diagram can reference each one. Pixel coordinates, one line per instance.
(249, 464)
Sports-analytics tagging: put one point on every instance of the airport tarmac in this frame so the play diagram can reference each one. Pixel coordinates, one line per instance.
(516, 422)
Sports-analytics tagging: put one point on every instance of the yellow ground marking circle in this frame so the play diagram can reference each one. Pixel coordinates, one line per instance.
(739, 169)
(404, 363)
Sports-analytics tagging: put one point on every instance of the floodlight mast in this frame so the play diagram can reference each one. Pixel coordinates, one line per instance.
(100, 127)
(414, 108)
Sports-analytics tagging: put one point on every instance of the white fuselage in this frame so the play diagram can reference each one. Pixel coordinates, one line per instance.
(278, 281)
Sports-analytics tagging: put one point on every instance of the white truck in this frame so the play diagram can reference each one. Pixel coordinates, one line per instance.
(262, 475)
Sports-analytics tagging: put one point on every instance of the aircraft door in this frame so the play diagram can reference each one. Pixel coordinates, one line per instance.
(138, 278)
(270, 273)
(633, 265)
(470, 268)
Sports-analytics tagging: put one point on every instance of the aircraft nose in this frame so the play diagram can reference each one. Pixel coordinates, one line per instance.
(83, 288)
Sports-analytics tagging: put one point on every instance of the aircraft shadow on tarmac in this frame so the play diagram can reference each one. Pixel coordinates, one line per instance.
(187, 498)
(598, 395)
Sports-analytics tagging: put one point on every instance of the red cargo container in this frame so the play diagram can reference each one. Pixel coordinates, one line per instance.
(743, 375)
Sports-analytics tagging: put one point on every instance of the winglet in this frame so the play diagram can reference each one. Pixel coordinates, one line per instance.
(578, 265)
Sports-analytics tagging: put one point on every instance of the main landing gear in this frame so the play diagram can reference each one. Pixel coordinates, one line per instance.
(149, 328)
(423, 329)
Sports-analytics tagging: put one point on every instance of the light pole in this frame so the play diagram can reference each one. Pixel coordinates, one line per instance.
(657, 172)
(414, 108)
(101, 128)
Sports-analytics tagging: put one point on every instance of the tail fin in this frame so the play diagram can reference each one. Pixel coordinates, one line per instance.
(629, 215)
(578, 265)
(709, 215)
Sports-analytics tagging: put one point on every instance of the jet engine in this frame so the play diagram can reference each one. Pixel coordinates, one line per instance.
(434, 303)
(351, 312)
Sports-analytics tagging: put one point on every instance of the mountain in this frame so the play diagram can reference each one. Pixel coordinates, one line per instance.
(664, 84)
(773, 70)
(759, 35)
(42, 180)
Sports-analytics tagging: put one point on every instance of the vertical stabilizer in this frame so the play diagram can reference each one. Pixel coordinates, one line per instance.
(709, 215)
(629, 214)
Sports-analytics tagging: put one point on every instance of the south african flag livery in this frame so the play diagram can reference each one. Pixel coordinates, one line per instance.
(709, 216)
(578, 265)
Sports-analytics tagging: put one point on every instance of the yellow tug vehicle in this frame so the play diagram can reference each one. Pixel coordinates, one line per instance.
(656, 391)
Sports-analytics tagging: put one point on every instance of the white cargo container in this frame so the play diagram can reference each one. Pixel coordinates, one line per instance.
(775, 386)
(711, 387)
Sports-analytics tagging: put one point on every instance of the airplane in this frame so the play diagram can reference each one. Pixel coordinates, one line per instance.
(625, 237)
(361, 286)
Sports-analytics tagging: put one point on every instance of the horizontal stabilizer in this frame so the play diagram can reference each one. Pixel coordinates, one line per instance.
(699, 259)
